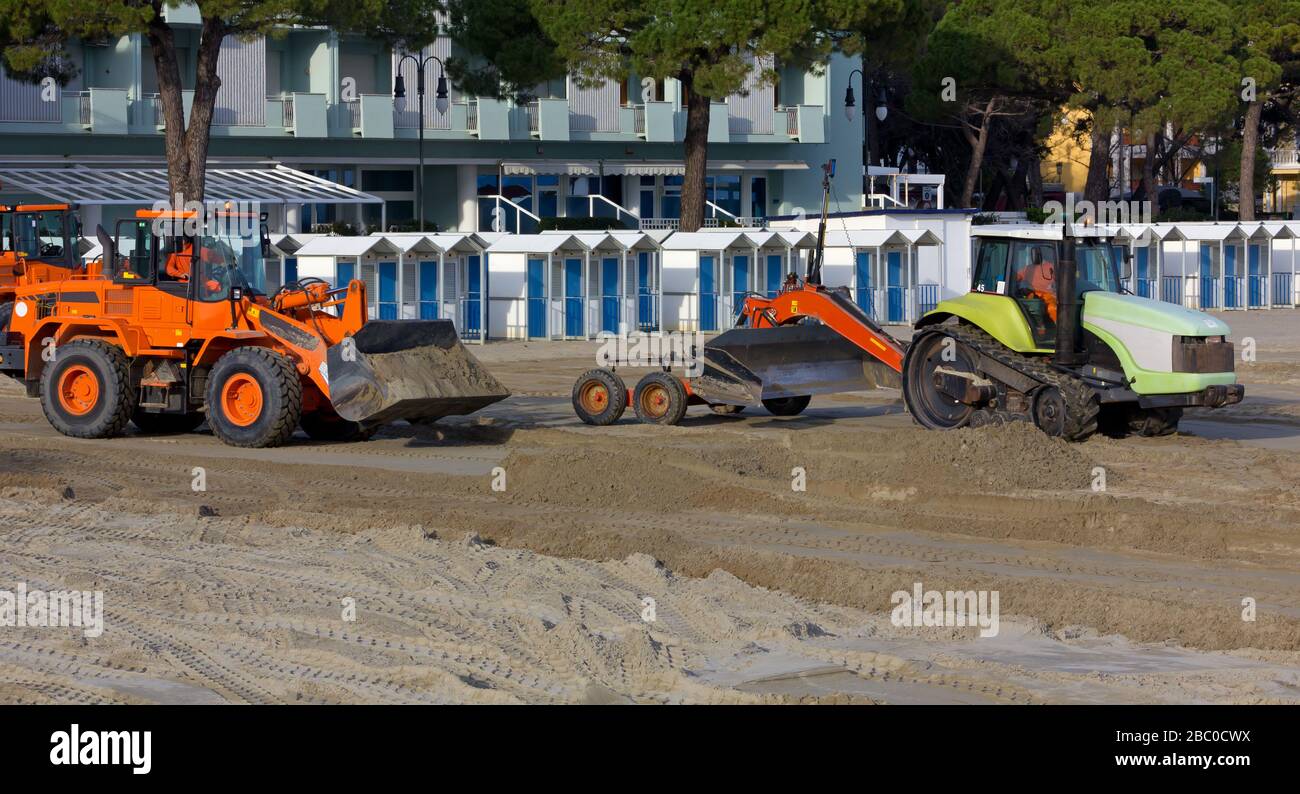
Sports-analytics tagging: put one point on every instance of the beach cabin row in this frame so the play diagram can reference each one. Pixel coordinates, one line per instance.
(1209, 266)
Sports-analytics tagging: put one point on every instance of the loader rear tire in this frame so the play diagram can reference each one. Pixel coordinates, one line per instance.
(163, 424)
(660, 399)
(86, 392)
(599, 397)
(787, 406)
(327, 426)
(254, 398)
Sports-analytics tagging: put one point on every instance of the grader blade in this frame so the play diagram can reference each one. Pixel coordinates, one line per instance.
(788, 361)
(415, 370)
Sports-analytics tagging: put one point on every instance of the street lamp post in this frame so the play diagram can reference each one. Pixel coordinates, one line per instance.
(439, 102)
(882, 111)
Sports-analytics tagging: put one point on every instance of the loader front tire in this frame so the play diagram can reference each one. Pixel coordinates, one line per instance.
(599, 397)
(254, 398)
(86, 391)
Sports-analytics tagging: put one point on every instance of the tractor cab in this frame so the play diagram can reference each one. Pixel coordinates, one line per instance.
(1023, 267)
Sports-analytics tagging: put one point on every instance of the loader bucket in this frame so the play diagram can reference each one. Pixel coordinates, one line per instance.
(407, 369)
(746, 365)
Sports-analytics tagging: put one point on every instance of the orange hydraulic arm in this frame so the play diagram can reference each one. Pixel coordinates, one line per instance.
(798, 300)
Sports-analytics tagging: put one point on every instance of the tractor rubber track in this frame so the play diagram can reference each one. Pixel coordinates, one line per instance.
(1082, 407)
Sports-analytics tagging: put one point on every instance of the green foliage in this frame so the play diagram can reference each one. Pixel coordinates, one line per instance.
(504, 51)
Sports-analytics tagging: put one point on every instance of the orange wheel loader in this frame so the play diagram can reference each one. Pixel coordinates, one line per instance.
(38, 243)
(176, 330)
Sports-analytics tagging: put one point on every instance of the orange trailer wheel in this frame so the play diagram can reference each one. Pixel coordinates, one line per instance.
(599, 397)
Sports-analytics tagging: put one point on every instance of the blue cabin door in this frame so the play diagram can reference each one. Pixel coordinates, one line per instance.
(739, 283)
(388, 290)
(708, 297)
(609, 294)
(1207, 277)
(772, 284)
(473, 299)
(428, 290)
(1255, 284)
(345, 272)
(573, 297)
(862, 283)
(894, 280)
(536, 298)
(645, 309)
(1230, 281)
(1141, 264)
(290, 270)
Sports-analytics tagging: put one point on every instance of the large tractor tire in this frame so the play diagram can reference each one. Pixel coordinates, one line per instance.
(86, 392)
(165, 424)
(329, 426)
(599, 397)
(254, 398)
(1118, 421)
(930, 407)
(787, 406)
(659, 399)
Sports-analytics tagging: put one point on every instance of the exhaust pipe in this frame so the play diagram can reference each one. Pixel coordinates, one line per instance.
(1067, 305)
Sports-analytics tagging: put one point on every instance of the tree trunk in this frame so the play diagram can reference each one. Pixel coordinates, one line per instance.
(1249, 142)
(1035, 181)
(697, 157)
(1149, 192)
(1097, 188)
(186, 145)
(978, 143)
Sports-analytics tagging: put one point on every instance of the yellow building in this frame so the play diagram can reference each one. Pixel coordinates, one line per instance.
(1065, 168)
(1284, 195)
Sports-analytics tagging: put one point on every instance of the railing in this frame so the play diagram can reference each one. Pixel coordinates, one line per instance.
(651, 224)
(927, 297)
(1284, 157)
(1145, 288)
(715, 210)
(1234, 292)
(534, 113)
(1171, 289)
(353, 109)
(1209, 292)
(288, 112)
(1283, 293)
(618, 211)
(83, 108)
(883, 201)
(647, 311)
(500, 216)
(471, 320)
(471, 116)
(638, 120)
(791, 121)
(1257, 292)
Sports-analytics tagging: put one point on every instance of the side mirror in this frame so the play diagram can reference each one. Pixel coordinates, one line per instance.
(236, 294)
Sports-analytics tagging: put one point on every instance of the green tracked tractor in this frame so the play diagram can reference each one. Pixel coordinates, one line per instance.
(1048, 335)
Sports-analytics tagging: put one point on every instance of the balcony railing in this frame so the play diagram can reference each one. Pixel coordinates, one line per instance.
(288, 112)
(83, 108)
(353, 107)
(791, 122)
(1285, 157)
(471, 116)
(638, 120)
(534, 112)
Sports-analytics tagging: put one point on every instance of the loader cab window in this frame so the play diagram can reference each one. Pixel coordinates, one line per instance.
(45, 235)
(137, 252)
(991, 267)
(228, 260)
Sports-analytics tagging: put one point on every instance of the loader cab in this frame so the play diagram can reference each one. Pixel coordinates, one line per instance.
(1024, 269)
(45, 233)
(135, 252)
